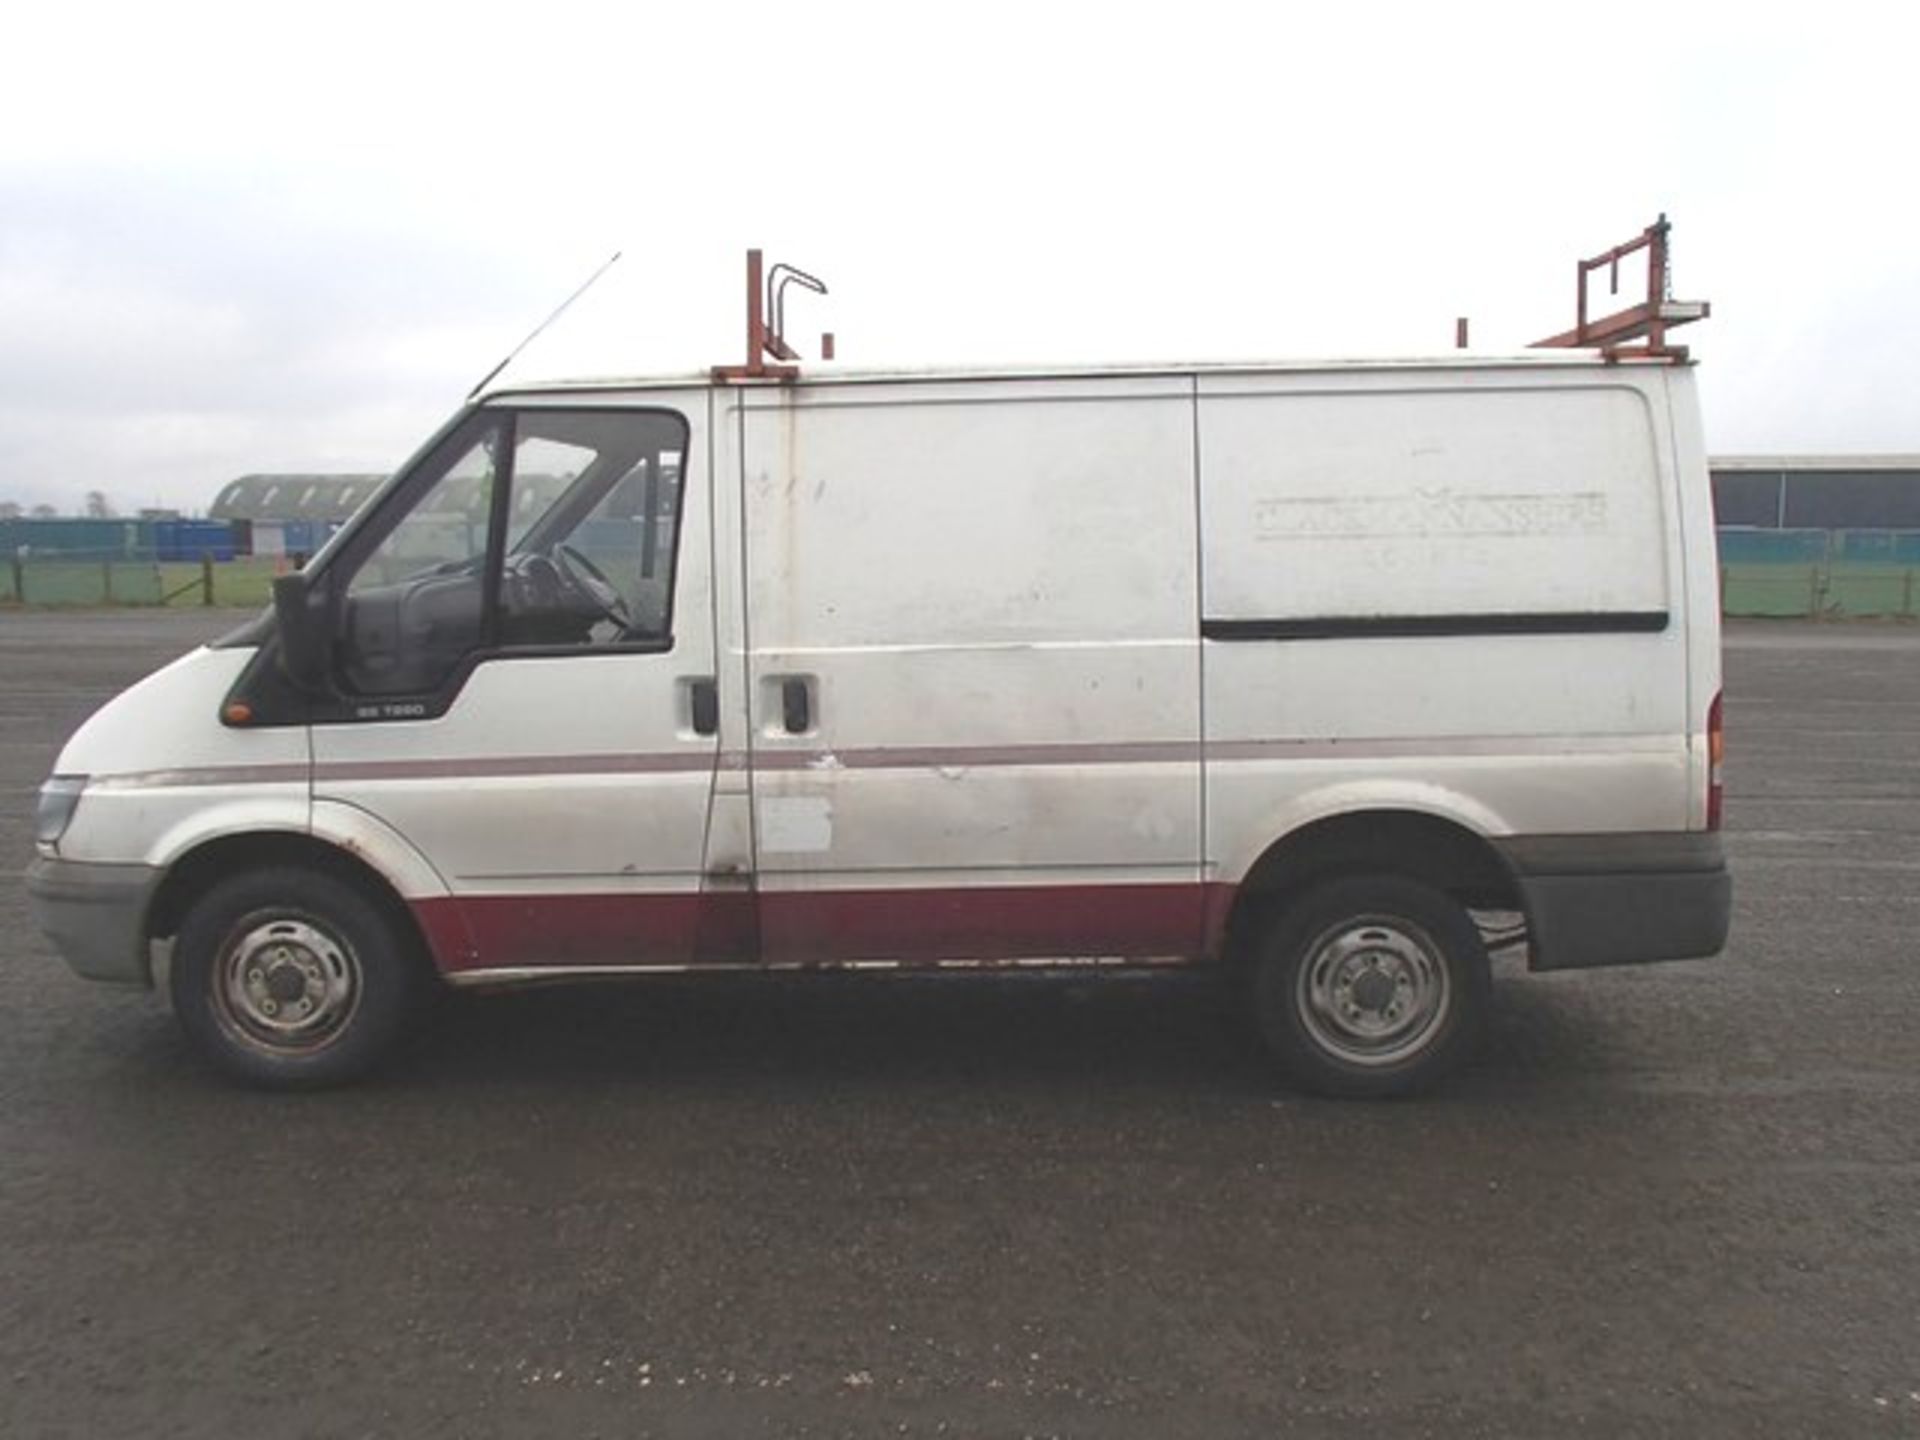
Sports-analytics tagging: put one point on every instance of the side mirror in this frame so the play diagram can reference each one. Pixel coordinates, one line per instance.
(300, 611)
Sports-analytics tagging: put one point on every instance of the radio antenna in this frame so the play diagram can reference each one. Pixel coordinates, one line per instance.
(536, 332)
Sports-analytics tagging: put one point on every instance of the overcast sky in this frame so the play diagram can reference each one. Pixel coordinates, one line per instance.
(255, 238)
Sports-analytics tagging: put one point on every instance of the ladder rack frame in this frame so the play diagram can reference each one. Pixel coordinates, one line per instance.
(1647, 322)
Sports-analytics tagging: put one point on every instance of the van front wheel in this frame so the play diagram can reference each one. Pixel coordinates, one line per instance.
(290, 978)
(1370, 986)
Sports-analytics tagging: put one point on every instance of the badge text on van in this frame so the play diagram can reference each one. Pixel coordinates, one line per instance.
(1429, 512)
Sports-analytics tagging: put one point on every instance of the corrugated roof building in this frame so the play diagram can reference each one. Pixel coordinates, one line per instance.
(1817, 492)
(330, 498)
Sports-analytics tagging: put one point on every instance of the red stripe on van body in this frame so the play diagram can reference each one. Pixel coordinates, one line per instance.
(803, 927)
(560, 930)
(984, 923)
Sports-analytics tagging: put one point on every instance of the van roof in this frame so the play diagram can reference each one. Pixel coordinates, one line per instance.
(835, 373)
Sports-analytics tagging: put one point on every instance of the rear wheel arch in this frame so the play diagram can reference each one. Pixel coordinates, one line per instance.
(1417, 845)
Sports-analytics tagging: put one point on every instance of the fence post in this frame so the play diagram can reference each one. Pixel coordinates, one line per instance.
(19, 578)
(206, 578)
(106, 580)
(1813, 592)
(1906, 593)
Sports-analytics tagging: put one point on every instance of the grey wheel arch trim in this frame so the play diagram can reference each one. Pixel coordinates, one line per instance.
(1621, 899)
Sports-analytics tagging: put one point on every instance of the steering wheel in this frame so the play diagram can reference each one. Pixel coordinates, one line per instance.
(586, 579)
(537, 580)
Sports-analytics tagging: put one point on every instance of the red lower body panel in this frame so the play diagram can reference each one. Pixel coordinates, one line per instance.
(824, 927)
(985, 923)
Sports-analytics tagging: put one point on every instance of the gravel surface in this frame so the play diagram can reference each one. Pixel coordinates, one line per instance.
(1682, 1200)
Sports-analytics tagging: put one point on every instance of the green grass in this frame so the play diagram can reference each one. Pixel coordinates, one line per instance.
(1832, 591)
(65, 581)
(246, 582)
(54, 583)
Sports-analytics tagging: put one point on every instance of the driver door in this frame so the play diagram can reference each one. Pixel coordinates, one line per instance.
(524, 678)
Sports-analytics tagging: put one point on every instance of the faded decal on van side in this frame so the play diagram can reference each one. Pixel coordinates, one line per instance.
(1429, 512)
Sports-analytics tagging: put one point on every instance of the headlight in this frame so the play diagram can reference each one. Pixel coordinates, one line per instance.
(59, 798)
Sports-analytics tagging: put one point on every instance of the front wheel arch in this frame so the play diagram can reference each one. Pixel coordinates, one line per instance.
(292, 976)
(193, 874)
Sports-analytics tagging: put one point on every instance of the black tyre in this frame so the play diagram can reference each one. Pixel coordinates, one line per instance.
(291, 978)
(1370, 986)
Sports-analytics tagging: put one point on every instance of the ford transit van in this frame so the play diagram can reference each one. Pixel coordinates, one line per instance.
(1299, 671)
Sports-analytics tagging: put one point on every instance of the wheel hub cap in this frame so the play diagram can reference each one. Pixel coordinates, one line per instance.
(287, 984)
(1374, 992)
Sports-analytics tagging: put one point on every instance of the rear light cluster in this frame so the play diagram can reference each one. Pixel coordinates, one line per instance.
(1716, 762)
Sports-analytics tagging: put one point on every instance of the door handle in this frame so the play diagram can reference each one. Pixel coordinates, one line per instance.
(789, 704)
(796, 706)
(703, 703)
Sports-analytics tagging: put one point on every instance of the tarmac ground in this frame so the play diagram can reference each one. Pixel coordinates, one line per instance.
(1677, 1200)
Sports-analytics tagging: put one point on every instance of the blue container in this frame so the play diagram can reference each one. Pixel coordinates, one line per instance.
(79, 537)
(1742, 546)
(192, 540)
(1877, 547)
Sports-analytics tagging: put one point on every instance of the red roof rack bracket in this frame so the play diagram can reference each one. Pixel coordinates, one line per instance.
(769, 356)
(1639, 331)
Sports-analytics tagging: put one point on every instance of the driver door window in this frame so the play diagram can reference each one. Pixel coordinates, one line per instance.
(589, 560)
(415, 607)
(545, 528)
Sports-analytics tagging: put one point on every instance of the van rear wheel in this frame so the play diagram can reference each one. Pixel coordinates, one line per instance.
(1370, 986)
(291, 979)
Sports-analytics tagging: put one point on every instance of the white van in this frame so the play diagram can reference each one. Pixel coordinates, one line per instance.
(1286, 669)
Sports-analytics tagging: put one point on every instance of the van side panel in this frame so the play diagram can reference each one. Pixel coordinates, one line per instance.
(983, 600)
(1459, 595)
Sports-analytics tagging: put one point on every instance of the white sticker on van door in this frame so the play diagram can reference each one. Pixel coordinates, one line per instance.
(798, 824)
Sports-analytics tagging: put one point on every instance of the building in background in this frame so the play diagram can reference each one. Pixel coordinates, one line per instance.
(1818, 535)
(1817, 492)
(293, 515)
(289, 514)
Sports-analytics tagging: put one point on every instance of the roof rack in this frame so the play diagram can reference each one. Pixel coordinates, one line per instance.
(1647, 322)
(769, 357)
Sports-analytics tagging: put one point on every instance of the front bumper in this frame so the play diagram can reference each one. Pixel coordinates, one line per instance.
(95, 915)
(1622, 899)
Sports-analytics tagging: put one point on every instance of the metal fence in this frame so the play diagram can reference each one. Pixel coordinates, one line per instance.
(1820, 574)
(79, 577)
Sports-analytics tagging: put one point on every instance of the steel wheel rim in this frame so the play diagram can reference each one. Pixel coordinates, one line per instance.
(286, 984)
(1374, 991)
